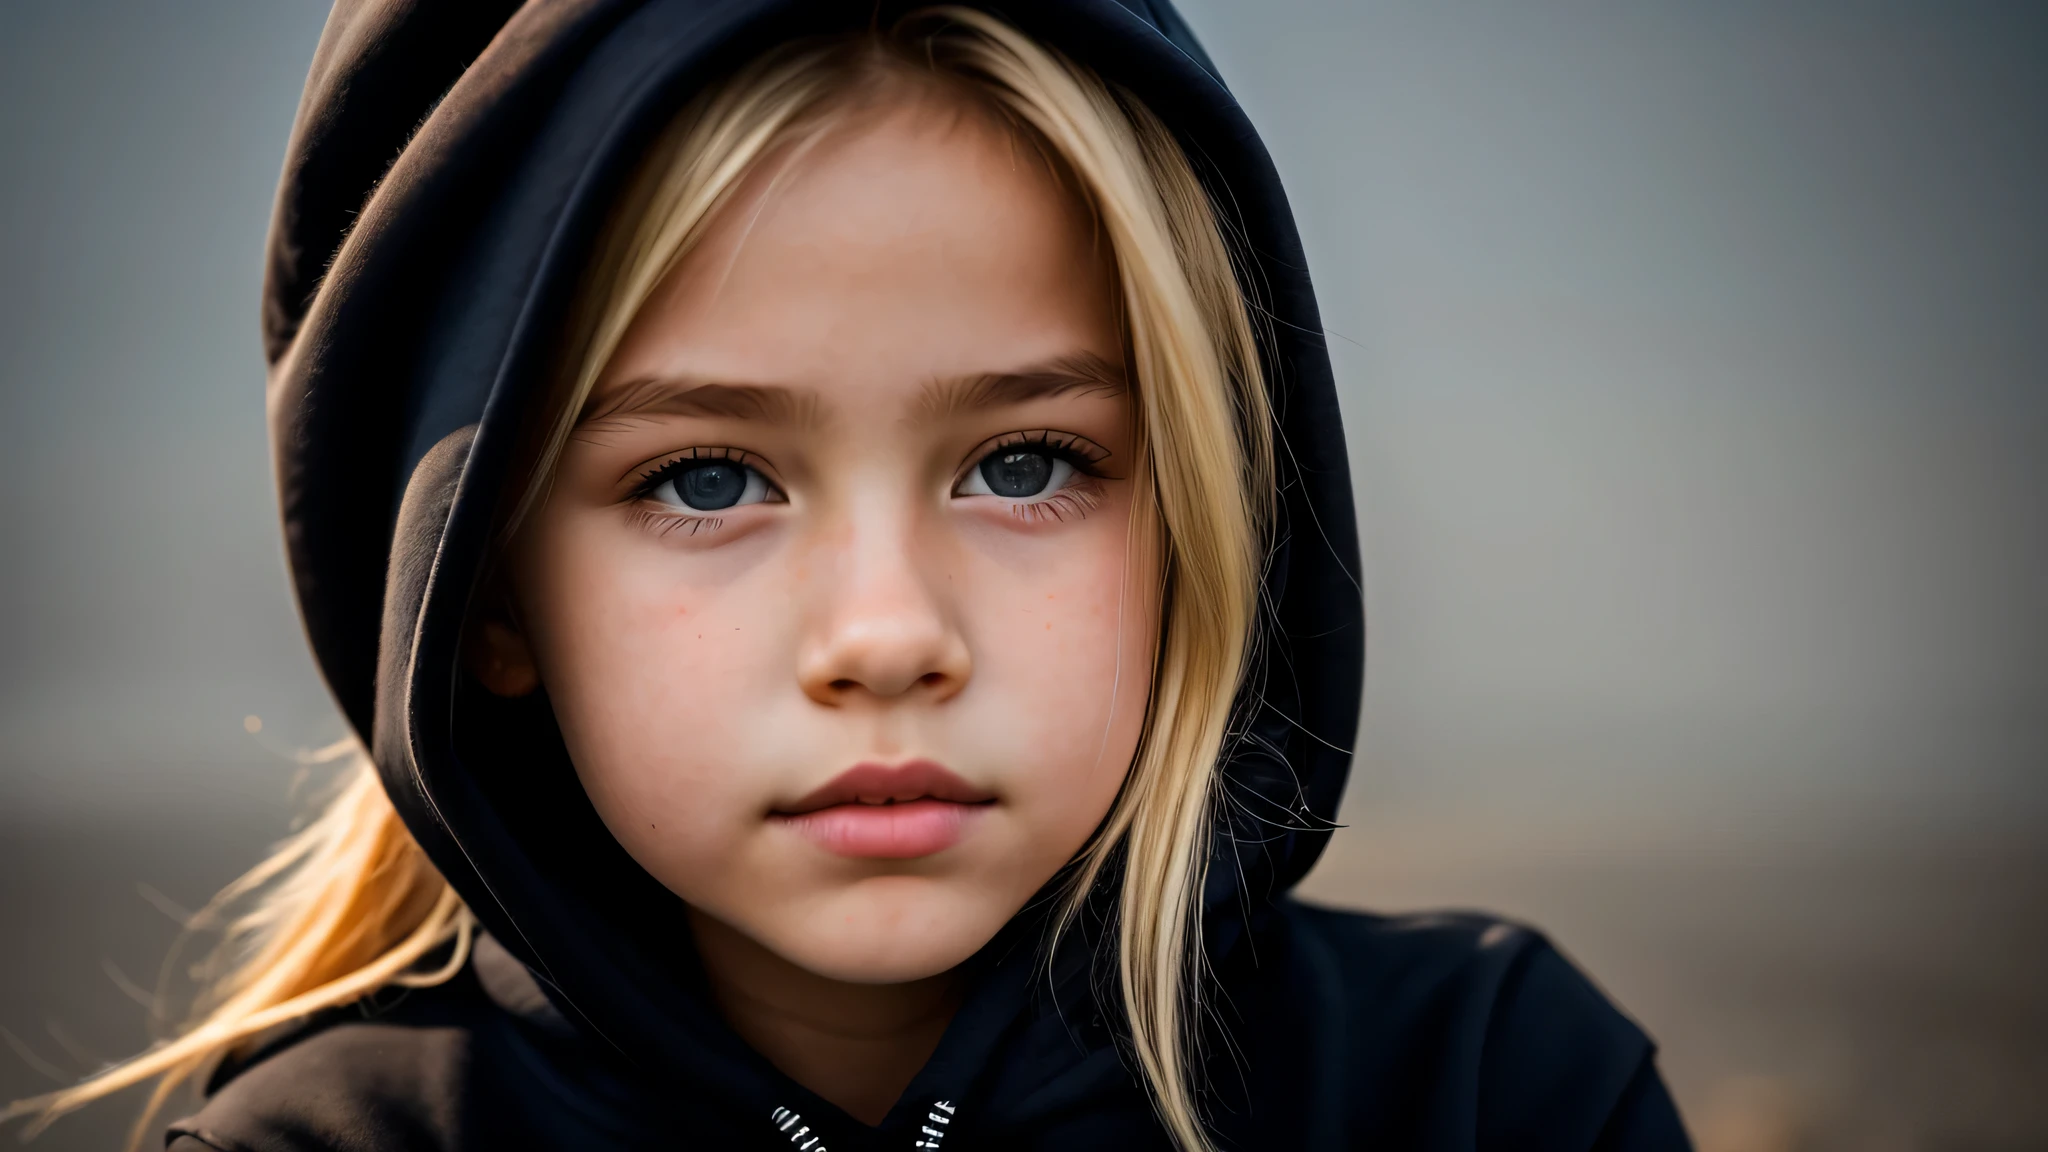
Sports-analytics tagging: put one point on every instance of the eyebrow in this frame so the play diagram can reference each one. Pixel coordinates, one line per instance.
(691, 396)
(1082, 372)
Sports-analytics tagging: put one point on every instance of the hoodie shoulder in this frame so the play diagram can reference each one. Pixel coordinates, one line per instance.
(429, 1070)
(1454, 1031)
(362, 1084)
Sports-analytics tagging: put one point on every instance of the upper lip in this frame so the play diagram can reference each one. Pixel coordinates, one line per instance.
(871, 783)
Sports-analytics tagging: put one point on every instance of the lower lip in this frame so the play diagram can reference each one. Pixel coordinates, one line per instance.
(886, 831)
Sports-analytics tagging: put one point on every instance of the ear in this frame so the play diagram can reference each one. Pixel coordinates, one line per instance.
(499, 657)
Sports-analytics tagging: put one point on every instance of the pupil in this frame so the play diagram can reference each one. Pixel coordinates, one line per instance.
(1016, 474)
(712, 486)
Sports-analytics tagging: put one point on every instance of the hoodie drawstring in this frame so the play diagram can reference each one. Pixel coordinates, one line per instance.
(792, 1125)
(930, 1137)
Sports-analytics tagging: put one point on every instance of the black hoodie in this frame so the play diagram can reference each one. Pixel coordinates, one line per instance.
(451, 162)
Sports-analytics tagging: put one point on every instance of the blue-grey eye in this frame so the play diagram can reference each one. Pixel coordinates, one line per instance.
(1018, 473)
(710, 486)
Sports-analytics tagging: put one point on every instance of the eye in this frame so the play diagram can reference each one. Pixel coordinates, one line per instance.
(1018, 472)
(1047, 472)
(708, 485)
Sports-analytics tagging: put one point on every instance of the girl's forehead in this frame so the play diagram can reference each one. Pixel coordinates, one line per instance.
(905, 247)
(893, 194)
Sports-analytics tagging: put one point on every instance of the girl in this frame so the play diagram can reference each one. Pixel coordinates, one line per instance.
(833, 527)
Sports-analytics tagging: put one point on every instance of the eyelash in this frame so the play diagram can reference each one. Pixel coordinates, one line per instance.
(653, 477)
(1073, 502)
(1084, 454)
(664, 523)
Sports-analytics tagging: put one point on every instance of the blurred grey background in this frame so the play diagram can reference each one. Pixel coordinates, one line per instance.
(1695, 360)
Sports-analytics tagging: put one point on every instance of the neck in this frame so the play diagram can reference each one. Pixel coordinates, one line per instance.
(856, 1045)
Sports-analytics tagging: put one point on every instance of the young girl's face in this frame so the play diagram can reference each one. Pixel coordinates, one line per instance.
(839, 594)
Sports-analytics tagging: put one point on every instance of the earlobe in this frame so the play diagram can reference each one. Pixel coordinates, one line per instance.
(498, 656)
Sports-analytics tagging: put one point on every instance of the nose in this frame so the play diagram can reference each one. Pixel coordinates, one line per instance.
(880, 622)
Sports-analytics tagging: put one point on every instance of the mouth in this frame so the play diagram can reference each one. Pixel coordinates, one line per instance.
(883, 812)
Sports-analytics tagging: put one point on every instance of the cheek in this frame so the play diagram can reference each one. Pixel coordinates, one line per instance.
(1063, 667)
(656, 675)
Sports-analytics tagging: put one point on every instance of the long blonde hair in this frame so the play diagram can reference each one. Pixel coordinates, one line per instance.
(351, 904)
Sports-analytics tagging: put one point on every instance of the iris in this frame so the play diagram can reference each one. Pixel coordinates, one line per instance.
(1016, 474)
(710, 487)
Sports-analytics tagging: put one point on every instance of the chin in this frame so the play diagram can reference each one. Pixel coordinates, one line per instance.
(891, 935)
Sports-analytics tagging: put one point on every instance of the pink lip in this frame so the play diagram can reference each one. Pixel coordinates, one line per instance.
(874, 811)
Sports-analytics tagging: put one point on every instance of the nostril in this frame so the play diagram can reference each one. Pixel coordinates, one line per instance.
(932, 679)
(845, 685)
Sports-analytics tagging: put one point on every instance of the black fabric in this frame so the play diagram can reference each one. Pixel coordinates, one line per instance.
(1421, 1032)
(448, 171)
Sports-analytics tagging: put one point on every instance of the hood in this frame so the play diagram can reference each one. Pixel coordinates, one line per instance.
(449, 169)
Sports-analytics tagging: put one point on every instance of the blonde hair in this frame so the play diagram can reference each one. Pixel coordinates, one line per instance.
(359, 906)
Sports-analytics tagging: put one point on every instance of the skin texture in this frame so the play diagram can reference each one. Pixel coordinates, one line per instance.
(864, 322)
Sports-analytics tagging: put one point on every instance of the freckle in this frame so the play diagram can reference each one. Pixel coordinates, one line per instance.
(1048, 627)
